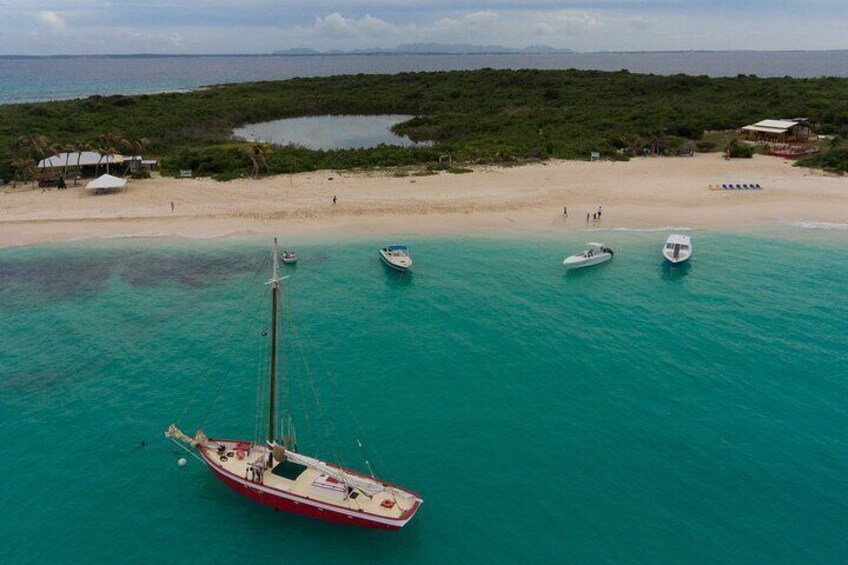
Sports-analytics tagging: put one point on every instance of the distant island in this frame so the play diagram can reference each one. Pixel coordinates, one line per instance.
(429, 49)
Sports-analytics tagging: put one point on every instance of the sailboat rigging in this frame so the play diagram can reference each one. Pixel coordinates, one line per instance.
(277, 476)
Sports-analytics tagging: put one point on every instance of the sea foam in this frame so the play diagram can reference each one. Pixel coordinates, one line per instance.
(820, 225)
(664, 228)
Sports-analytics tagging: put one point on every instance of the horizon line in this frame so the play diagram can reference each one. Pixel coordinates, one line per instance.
(377, 51)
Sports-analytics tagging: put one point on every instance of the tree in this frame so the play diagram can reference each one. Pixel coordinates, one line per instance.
(25, 169)
(79, 147)
(108, 147)
(258, 155)
(136, 147)
(67, 149)
(34, 145)
(737, 150)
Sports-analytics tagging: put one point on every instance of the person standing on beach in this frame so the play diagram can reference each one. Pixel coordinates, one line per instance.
(172, 206)
(587, 217)
(565, 211)
(600, 209)
(334, 200)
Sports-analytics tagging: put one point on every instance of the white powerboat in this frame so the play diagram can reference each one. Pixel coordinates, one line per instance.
(595, 254)
(289, 257)
(677, 249)
(396, 256)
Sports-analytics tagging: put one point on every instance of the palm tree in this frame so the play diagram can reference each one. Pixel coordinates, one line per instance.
(78, 147)
(109, 142)
(67, 149)
(103, 152)
(35, 145)
(136, 147)
(25, 168)
(258, 155)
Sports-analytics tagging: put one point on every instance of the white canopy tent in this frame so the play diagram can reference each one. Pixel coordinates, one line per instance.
(105, 183)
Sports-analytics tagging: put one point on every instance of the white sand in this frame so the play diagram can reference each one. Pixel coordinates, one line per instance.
(642, 193)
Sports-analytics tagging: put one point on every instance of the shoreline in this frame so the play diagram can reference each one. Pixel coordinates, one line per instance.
(642, 194)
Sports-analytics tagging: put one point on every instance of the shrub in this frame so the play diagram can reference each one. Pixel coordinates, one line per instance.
(738, 150)
(835, 161)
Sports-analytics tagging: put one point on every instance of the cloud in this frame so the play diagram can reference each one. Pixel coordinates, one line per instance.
(640, 23)
(575, 23)
(261, 26)
(52, 19)
(337, 26)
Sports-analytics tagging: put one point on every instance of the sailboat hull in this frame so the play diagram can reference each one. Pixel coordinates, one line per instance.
(294, 504)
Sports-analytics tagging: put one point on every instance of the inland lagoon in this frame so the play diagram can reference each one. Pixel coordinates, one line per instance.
(328, 132)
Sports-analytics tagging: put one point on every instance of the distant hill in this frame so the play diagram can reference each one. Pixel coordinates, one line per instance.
(428, 48)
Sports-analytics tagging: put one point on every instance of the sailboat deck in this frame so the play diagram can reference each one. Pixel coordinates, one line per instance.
(310, 483)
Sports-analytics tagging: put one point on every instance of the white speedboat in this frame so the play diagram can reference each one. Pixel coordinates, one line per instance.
(677, 249)
(595, 254)
(289, 257)
(396, 256)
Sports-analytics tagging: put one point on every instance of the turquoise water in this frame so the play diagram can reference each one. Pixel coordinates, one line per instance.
(626, 413)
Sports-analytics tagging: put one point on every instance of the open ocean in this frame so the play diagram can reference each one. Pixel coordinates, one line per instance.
(54, 78)
(627, 413)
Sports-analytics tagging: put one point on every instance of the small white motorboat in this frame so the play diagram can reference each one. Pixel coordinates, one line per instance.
(677, 249)
(289, 257)
(595, 254)
(396, 256)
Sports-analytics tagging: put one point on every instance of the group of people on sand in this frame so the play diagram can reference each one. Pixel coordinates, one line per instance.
(595, 217)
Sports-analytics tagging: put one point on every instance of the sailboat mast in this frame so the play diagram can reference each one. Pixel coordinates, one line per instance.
(275, 299)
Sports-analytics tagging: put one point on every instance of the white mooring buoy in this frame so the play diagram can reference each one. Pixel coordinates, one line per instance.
(182, 462)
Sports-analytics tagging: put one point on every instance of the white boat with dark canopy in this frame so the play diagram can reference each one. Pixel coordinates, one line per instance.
(677, 249)
(594, 254)
(397, 257)
(289, 257)
(274, 473)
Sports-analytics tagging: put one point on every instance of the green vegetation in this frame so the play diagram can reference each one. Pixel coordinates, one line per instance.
(485, 116)
(738, 150)
(834, 161)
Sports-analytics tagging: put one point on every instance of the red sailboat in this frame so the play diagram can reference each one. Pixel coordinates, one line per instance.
(276, 475)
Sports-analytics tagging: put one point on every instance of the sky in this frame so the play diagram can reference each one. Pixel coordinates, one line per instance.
(44, 27)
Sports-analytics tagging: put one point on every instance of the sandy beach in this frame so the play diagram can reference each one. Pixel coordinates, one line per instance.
(640, 194)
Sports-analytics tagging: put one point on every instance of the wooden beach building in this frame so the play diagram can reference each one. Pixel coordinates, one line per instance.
(797, 130)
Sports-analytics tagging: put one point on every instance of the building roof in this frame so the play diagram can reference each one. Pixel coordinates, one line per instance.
(772, 126)
(86, 159)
